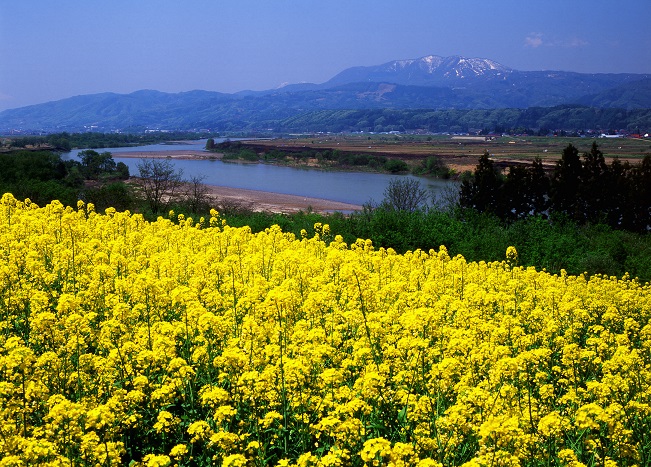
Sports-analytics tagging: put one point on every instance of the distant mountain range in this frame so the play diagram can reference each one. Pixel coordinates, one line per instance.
(431, 82)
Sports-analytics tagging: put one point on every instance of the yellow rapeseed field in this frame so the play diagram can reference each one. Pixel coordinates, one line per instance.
(126, 342)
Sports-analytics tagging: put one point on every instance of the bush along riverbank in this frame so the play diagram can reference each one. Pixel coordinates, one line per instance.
(330, 159)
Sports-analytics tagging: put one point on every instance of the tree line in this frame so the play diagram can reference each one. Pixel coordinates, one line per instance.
(43, 176)
(65, 141)
(328, 158)
(585, 189)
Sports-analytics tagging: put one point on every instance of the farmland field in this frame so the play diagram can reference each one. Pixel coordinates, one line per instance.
(190, 342)
(463, 153)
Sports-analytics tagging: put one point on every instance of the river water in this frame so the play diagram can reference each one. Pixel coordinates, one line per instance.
(348, 187)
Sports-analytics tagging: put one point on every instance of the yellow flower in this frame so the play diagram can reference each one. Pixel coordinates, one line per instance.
(375, 450)
(553, 425)
(213, 396)
(588, 416)
(179, 451)
(165, 421)
(199, 430)
(112, 325)
(156, 460)
(270, 418)
(234, 460)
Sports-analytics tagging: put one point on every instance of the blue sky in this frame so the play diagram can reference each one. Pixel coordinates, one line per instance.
(51, 50)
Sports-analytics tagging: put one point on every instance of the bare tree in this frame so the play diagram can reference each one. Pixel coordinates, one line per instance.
(197, 194)
(404, 195)
(446, 199)
(160, 182)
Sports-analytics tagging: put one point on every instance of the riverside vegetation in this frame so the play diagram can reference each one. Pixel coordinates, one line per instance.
(93, 140)
(325, 158)
(554, 240)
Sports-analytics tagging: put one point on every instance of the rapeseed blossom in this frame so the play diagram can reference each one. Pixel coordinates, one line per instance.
(181, 343)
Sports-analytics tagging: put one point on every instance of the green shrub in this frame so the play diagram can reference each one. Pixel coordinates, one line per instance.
(396, 166)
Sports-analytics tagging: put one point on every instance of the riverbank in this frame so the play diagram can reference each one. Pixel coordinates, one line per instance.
(266, 201)
(254, 200)
(191, 154)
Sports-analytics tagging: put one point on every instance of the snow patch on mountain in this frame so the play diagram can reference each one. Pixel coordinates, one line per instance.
(447, 67)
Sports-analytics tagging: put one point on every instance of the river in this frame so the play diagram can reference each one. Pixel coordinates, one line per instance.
(347, 187)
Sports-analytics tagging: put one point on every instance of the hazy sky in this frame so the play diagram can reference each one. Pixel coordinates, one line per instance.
(53, 49)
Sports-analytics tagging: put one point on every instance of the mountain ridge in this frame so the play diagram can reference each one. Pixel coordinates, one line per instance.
(429, 82)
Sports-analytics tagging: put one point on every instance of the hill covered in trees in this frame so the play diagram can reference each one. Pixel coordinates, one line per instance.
(420, 87)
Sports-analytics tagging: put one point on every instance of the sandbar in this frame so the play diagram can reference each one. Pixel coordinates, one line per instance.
(266, 201)
(172, 154)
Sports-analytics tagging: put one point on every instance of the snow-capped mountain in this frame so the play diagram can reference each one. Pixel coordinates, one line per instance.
(456, 66)
(431, 70)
